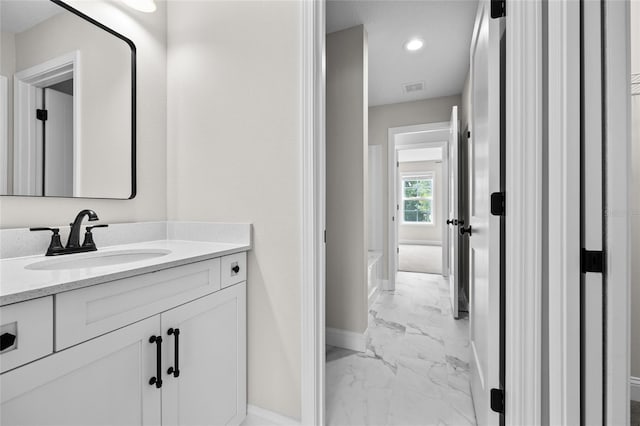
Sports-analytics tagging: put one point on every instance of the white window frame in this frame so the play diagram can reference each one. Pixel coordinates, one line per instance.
(418, 175)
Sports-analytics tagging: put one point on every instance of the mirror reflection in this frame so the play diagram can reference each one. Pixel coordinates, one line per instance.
(66, 102)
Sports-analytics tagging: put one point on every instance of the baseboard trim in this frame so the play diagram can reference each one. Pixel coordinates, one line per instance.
(634, 388)
(374, 295)
(420, 242)
(272, 417)
(346, 339)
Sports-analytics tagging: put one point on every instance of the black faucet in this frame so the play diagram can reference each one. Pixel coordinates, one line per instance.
(74, 235)
(73, 243)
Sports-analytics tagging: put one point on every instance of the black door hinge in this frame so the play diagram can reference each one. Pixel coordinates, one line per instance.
(497, 400)
(498, 8)
(468, 134)
(592, 261)
(498, 204)
(42, 114)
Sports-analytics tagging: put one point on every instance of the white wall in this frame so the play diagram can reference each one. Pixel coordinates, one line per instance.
(148, 32)
(347, 190)
(234, 155)
(420, 232)
(381, 118)
(635, 195)
(105, 81)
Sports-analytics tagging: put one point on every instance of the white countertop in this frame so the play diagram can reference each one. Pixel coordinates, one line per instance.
(18, 284)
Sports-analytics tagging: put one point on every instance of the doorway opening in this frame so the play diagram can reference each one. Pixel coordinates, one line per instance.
(46, 125)
(419, 188)
(393, 320)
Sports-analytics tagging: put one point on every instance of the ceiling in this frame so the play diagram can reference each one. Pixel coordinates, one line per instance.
(17, 16)
(443, 62)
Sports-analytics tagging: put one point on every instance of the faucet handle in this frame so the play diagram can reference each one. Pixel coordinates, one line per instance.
(88, 236)
(54, 230)
(55, 246)
(104, 225)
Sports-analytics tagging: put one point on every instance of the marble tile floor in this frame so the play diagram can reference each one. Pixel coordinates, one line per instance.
(415, 370)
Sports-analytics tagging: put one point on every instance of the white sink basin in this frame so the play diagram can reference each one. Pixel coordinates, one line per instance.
(97, 259)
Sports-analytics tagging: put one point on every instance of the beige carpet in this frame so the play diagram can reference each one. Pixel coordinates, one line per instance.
(414, 258)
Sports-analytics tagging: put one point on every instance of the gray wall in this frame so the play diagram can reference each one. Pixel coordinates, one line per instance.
(418, 231)
(234, 156)
(347, 191)
(148, 32)
(381, 118)
(635, 195)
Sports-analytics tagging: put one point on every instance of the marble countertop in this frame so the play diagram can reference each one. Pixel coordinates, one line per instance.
(18, 284)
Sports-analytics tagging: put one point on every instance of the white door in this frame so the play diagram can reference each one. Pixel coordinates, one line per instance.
(453, 212)
(58, 144)
(104, 381)
(484, 241)
(210, 386)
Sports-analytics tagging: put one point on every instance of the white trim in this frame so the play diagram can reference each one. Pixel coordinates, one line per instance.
(4, 135)
(270, 416)
(347, 339)
(617, 148)
(373, 295)
(634, 388)
(563, 186)
(524, 215)
(385, 286)
(435, 135)
(312, 193)
(25, 129)
(420, 242)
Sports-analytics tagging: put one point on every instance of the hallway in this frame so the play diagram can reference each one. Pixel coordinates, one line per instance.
(416, 367)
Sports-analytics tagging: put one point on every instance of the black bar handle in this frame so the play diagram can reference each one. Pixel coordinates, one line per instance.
(158, 379)
(176, 351)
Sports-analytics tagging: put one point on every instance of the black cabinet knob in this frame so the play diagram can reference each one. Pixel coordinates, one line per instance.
(235, 269)
(7, 340)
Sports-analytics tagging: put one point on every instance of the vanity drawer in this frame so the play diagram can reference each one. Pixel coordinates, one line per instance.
(31, 323)
(233, 269)
(92, 311)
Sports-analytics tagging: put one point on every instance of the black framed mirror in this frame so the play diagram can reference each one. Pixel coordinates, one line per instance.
(67, 104)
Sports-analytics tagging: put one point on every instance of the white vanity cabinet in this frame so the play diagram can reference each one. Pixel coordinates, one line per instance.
(101, 382)
(106, 378)
(210, 386)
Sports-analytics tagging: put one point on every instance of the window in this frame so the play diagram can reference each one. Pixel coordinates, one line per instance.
(417, 199)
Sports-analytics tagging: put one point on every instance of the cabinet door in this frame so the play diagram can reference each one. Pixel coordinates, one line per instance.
(104, 381)
(211, 386)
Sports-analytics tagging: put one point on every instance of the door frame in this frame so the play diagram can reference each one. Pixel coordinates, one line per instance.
(431, 135)
(313, 200)
(524, 188)
(617, 150)
(26, 83)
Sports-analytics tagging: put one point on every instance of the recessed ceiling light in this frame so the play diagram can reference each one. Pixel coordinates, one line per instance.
(141, 5)
(414, 44)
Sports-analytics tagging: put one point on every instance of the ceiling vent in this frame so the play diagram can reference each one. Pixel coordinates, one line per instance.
(413, 87)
